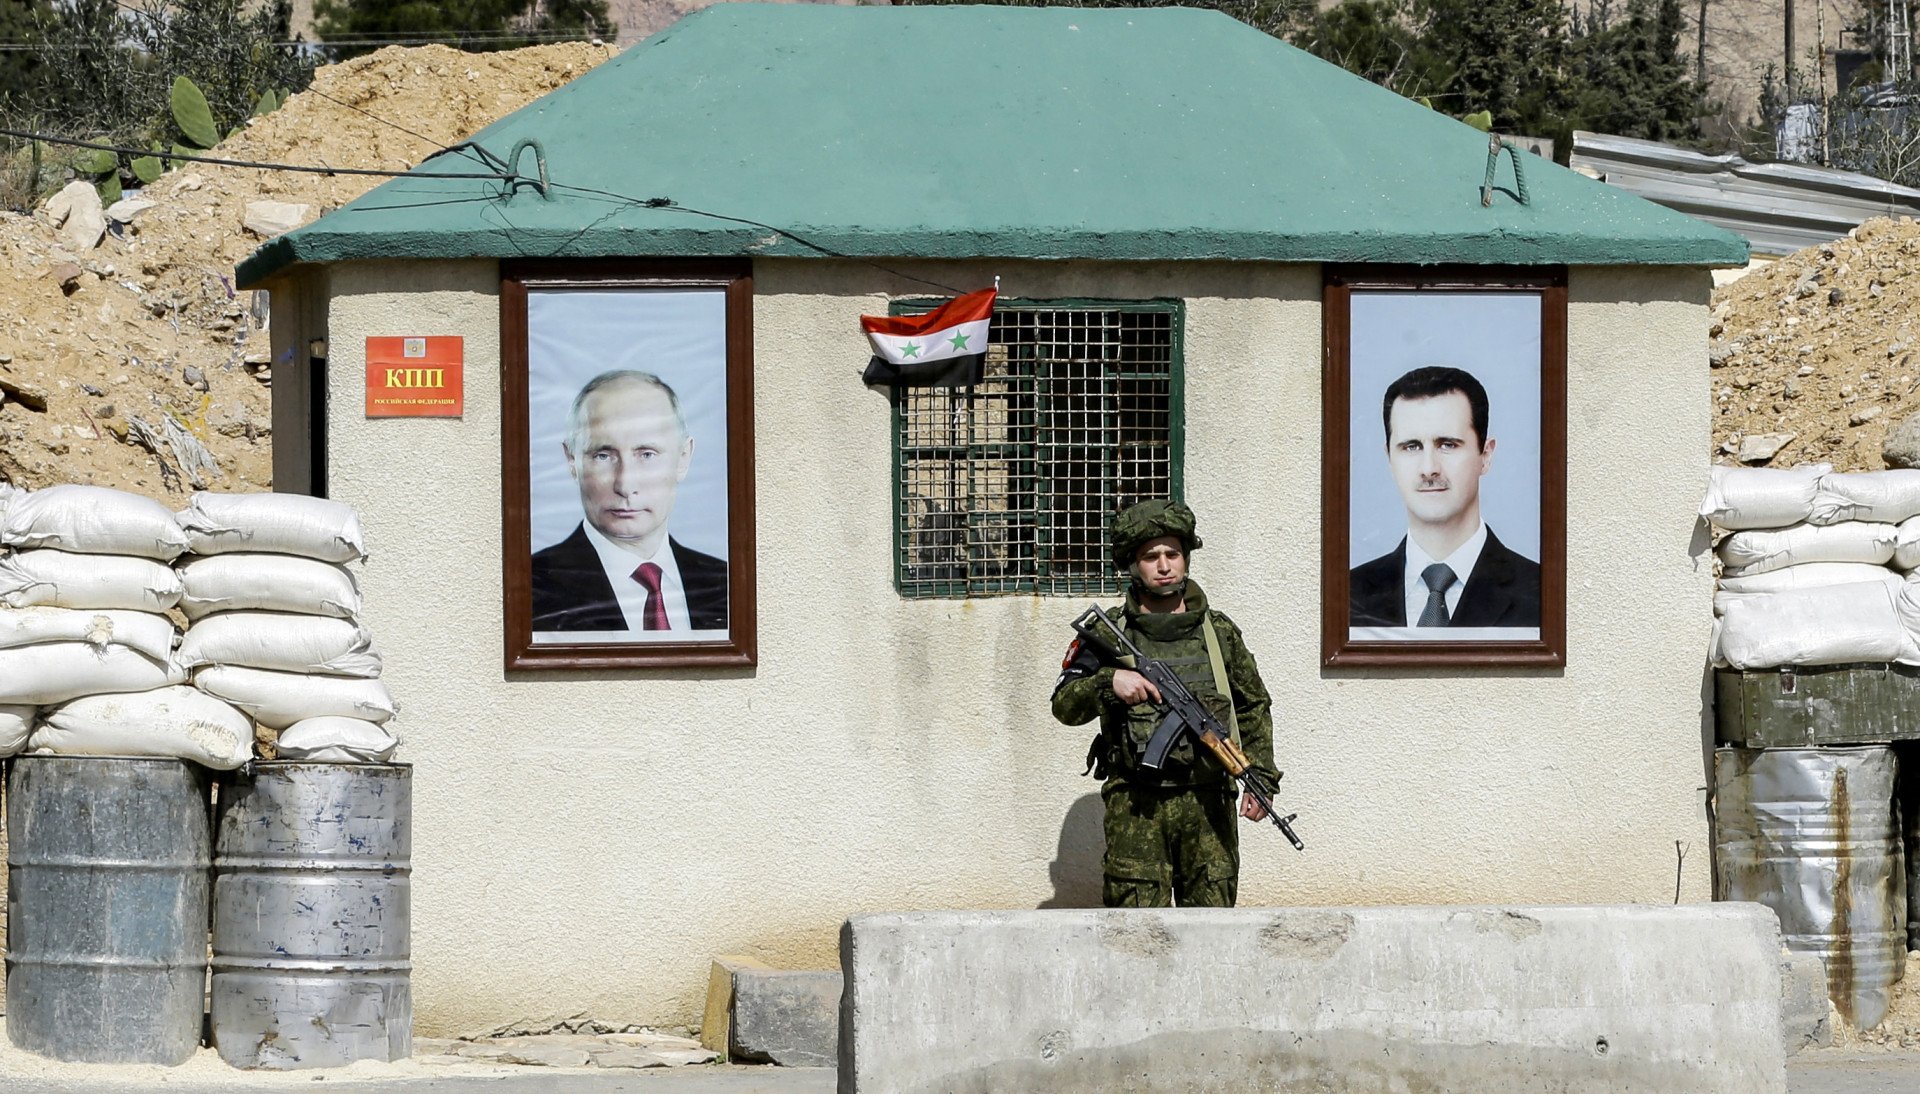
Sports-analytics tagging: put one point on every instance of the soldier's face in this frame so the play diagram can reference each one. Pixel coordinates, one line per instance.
(631, 460)
(1161, 563)
(1436, 458)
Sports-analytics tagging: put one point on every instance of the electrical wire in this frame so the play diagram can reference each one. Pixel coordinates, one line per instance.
(255, 164)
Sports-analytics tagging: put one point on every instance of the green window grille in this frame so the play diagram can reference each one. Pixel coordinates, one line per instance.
(1009, 487)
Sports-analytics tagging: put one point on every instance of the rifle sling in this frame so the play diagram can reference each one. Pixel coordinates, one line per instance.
(1220, 683)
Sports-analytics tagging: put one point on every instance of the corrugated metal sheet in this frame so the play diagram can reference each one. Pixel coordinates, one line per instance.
(1779, 207)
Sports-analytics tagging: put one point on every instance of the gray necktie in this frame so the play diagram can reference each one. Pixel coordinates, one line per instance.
(1438, 577)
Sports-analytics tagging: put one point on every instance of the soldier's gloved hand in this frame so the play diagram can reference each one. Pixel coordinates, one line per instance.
(1250, 809)
(1132, 688)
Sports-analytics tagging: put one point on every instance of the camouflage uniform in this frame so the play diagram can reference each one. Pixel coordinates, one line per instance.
(1172, 834)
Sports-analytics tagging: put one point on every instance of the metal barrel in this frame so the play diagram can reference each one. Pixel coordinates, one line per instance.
(107, 869)
(1909, 753)
(1812, 833)
(311, 907)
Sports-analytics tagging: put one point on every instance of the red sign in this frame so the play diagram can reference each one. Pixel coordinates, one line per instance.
(415, 377)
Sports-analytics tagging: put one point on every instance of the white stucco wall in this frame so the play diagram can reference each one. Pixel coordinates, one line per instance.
(588, 841)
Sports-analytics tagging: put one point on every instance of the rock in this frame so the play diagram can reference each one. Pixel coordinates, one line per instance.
(1719, 355)
(27, 395)
(77, 211)
(60, 206)
(126, 209)
(267, 219)
(194, 378)
(677, 1057)
(105, 411)
(1862, 417)
(6, 358)
(1902, 448)
(1762, 447)
(1836, 298)
(546, 1056)
(66, 275)
(625, 1056)
(91, 390)
(652, 1042)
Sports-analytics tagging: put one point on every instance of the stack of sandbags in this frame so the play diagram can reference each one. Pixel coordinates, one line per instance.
(1812, 572)
(86, 648)
(275, 623)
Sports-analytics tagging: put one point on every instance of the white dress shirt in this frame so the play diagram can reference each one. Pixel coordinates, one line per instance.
(620, 564)
(1461, 562)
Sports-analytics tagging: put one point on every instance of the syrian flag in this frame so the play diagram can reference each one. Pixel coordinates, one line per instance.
(946, 347)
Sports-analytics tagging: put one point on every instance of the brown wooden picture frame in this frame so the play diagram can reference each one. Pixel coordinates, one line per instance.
(1339, 649)
(517, 278)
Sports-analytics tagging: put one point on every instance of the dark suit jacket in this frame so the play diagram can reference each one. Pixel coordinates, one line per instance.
(1502, 591)
(571, 591)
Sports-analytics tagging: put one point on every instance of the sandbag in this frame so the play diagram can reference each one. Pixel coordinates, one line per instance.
(337, 741)
(279, 699)
(1832, 625)
(1906, 545)
(1739, 498)
(1867, 495)
(62, 579)
(282, 524)
(1812, 575)
(273, 583)
(54, 672)
(8, 492)
(177, 722)
(94, 520)
(16, 722)
(1756, 552)
(281, 641)
(147, 632)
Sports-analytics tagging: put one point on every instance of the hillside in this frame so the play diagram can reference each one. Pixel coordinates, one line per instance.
(117, 362)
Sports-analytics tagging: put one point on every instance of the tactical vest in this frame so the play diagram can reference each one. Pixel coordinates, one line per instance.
(1204, 672)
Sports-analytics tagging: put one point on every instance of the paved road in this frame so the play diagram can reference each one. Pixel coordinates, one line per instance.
(1809, 1073)
(532, 1080)
(1833, 1072)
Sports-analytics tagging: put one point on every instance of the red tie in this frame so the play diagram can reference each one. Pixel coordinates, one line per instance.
(649, 575)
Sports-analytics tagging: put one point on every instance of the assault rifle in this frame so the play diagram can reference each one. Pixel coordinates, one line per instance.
(1184, 714)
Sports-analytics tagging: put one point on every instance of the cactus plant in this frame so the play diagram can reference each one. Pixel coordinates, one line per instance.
(192, 114)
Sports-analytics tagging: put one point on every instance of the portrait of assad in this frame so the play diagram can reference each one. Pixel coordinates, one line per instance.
(1450, 569)
(628, 450)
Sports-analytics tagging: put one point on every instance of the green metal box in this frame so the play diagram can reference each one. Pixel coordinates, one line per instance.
(1817, 705)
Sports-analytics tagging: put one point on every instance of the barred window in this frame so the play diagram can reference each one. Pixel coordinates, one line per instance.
(1010, 486)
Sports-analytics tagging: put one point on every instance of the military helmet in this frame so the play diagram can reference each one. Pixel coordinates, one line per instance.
(1149, 520)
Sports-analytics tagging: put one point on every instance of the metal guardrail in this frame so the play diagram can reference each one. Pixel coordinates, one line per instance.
(1778, 207)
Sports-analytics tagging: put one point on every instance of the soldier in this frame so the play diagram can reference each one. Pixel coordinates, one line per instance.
(1170, 833)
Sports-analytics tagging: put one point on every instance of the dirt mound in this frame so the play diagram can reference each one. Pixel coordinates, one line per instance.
(1820, 345)
(117, 362)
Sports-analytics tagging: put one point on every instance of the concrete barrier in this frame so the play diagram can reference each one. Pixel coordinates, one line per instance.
(1673, 1000)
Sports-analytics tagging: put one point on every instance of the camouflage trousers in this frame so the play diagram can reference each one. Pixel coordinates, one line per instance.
(1170, 845)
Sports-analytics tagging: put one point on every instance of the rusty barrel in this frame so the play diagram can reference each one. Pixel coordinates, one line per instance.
(1812, 833)
(311, 911)
(107, 869)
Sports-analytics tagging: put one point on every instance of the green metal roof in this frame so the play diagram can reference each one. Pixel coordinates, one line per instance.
(1002, 132)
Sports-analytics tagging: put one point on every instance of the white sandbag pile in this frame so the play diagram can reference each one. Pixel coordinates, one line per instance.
(84, 588)
(91, 664)
(276, 626)
(1821, 568)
